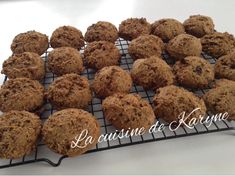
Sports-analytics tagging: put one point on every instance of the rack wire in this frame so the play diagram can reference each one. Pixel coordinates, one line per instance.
(43, 154)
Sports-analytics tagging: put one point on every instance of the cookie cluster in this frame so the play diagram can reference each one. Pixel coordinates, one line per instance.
(23, 95)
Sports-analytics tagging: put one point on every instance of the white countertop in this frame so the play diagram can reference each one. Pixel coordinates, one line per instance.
(204, 154)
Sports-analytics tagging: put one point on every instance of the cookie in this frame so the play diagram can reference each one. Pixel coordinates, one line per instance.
(218, 44)
(128, 111)
(67, 36)
(29, 65)
(100, 54)
(69, 91)
(221, 98)
(62, 128)
(184, 45)
(145, 46)
(30, 41)
(21, 94)
(19, 131)
(167, 28)
(110, 80)
(225, 67)
(101, 31)
(65, 60)
(199, 25)
(152, 73)
(171, 101)
(132, 28)
(194, 72)
(222, 82)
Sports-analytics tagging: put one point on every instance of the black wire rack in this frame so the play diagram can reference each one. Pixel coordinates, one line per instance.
(43, 154)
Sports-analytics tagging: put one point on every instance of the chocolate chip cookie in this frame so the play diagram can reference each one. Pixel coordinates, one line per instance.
(167, 28)
(69, 91)
(218, 44)
(19, 131)
(225, 67)
(100, 54)
(101, 31)
(65, 60)
(132, 28)
(67, 36)
(152, 73)
(199, 25)
(62, 128)
(128, 111)
(110, 80)
(21, 94)
(27, 64)
(145, 46)
(194, 72)
(221, 98)
(30, 41)
(184, 45)
(171, 101)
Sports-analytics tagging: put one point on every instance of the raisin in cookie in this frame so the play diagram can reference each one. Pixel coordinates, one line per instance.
(101, 31)
(69, 91)
(65, 60)
(19, 131)
(218, 44)
(27, 64)
(199, 25)
(152, 73)
(167, 28)
(67, 36)
(21, 94)
(194, 72)
(132, 28)
(30, 41)
(128, 111)
(225, 67)
(145, 46)
(110, 80)
(62, 128)
(184, 45)
(171, 101)
(100, 54)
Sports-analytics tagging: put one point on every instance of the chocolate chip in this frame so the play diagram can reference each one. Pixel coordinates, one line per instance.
(198, 70)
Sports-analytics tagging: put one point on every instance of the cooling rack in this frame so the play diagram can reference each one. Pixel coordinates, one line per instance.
(43, 154)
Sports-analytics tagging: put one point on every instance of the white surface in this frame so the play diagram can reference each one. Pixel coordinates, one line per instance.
(213, 153)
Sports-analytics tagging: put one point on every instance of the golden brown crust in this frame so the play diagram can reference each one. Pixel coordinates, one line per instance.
(100, 54)
(61, 128)
(184, 45)
(128, 111)
(218, 44)
(199, 25)
(69, 91)
(167, 28)
(101, 31)
(19, 131)
(110, 80)
(152, 73)
(21, 94)
(132, 28)
(145, 46)
(30, 41)
(194, 72)
(65, 60)
(67, 36)
(27, 64)
(170, 101)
